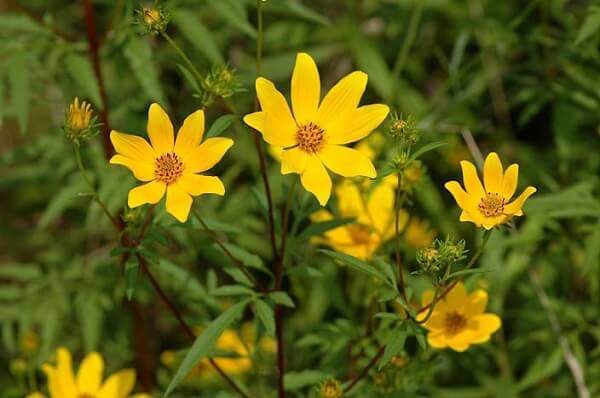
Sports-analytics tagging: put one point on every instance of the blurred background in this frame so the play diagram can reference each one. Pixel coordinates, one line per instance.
(516, 77)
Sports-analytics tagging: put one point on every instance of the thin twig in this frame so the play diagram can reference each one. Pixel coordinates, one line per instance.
(397, 240)
(94, 49)
(366, 369)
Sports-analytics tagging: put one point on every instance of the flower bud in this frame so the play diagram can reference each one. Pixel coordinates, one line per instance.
(153, 19)
(80, 122)
(330, 388)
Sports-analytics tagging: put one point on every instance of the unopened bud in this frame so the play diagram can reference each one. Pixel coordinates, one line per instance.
(80, 122)
(331, 388)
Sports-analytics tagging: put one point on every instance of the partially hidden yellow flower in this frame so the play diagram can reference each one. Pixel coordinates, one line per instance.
(312, 138)
(419, 233)
(374, 216)
(459, 320)
(63, 383)
(488, 205)
(171, 165)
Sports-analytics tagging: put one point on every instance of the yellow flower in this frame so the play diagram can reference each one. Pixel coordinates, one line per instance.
(62, 382)
(374, 219)
(79, 115)
(169, 165)
(312, 138)
(458, 320)
(489, 207)
(419, 233)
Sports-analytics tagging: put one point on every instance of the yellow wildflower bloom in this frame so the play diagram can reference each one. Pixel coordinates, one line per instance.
(169, 165)
(63, 383)
(374, 219)
(458, 320)
(312, 138)
(79, 115)
(489, 207)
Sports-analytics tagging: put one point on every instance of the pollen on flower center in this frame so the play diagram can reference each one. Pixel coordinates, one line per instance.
(491, 205)
(310, 138)
(168, 167)
(454, 323)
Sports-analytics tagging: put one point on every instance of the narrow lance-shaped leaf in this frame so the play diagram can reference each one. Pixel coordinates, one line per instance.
(204, 343)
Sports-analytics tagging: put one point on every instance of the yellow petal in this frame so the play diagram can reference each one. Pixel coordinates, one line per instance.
(487, 323)
(196, 185)
(436, 340)
(160, 130)
(89, 375)
(293, 161)
(256, 120)
(349, 200)
(64, 373)
(178, 203)
(458, 345)
(141, 170)
(380, 206)
(35, 395)
(280, 126)
(190, 133)
(151, 192)
(492, 173)
(306, 89)
(342, 99)
(515, 206)
(316, 180)
(476, 302)
(491, 222)
(475, 218)
(133, 147)
(207, 154)
(509, 181)
(462, 198)
(457, 297)
(357, 125)
(54, 387)
(471, 180)
(321, 215)
(119, 385)
(347, 162)
(436, 321)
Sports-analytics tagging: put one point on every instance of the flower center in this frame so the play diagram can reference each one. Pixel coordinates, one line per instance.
(491, 205)
(168, 167)
(454, 323)
(310, 138)
(360, 234)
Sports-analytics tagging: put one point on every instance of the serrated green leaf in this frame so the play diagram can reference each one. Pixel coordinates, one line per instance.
(282, 298)
(232, 290)
(205, 343)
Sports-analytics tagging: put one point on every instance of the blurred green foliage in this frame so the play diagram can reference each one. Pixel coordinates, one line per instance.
(521, 77)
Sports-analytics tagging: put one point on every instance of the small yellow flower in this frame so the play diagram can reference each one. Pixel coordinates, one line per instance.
(63, 383)
(169, 165)
(419, 233)
(374, 219)
(458, 320)
(312, 138)
(79, 115)
(489, 206)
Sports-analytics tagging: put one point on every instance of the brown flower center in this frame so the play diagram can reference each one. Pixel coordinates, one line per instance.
(360, 234)
(168, 167)
(454, 323)
(491, 205)
(310, 138)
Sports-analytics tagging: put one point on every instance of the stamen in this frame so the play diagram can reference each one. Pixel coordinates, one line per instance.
(491, 205)
(454, 323)
(168, 167)
(310, 138)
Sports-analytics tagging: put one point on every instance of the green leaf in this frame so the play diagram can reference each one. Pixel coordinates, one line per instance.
(198, 35)
(306, 378)
(64, 198)
(590, 25)
(266, 316)
(232, 290)
(80, 69)
(297, 9)
(220, 125)
(18, 73)
(234, 13)
(204, 343)
(320, 228)
(393, 346)
(282, 298)
(426, 148)
(244, 256)
(91, 317)
(139, 54)
(131, 273)
(358, 265)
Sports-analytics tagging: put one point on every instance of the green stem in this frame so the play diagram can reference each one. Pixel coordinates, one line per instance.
(91, 185)
(260, 36)
(397, 240)
(409, 39)
(183, 56)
